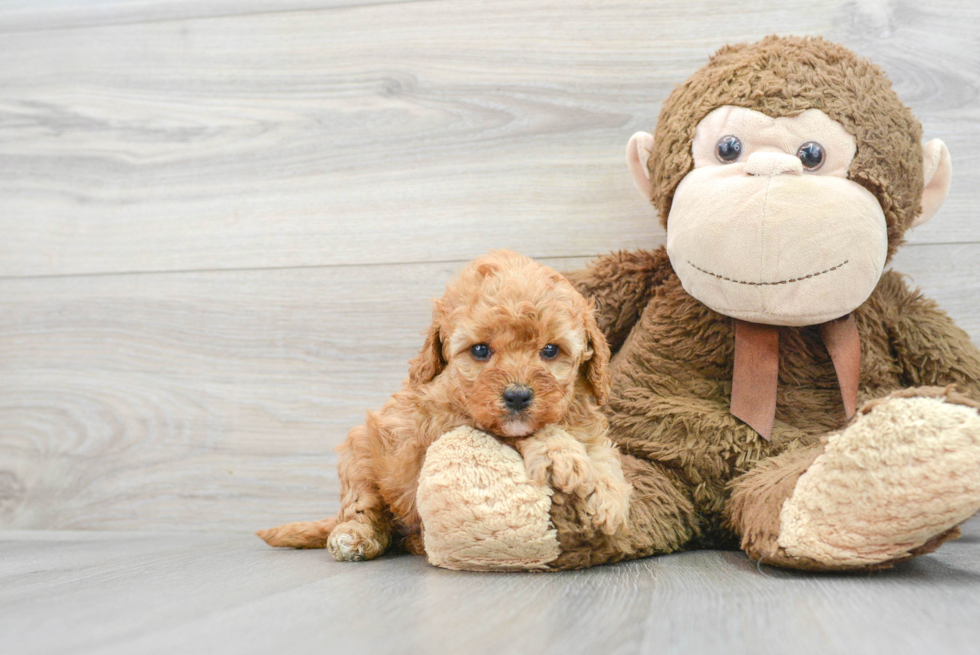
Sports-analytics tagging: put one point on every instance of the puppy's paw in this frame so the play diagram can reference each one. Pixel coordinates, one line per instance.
(609, 504)
(571, 471)
(353, 542)
(553, 457)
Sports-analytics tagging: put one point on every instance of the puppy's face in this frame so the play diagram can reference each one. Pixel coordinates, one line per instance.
(516, 363)
(517, 342)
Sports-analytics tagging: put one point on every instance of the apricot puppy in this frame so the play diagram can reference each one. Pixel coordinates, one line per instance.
(513, 350)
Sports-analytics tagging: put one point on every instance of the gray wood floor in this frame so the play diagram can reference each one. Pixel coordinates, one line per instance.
(136, 593)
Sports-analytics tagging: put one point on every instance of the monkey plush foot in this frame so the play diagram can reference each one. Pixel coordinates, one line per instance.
(479, 510)
(894, 484)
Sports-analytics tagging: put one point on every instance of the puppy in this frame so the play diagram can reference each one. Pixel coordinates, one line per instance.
(513, 350)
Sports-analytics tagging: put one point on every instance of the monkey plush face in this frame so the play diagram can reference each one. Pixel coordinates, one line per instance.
(767, 227)
(786, 173)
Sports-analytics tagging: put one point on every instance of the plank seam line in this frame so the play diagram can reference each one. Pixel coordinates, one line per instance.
(241, 269)
(270, 268)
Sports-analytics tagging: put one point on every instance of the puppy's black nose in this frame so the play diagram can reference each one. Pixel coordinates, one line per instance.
(517, 397)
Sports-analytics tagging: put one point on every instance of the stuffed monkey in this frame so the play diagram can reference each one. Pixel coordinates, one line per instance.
(773, 387)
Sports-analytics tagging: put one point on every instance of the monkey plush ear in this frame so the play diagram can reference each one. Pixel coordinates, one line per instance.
(638, 152)
(937, 171)
(429, 362)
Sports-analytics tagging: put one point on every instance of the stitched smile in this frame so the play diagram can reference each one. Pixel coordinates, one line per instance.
(767, 284)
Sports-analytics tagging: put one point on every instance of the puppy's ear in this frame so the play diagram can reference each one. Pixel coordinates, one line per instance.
(429, 362)
(597, 373)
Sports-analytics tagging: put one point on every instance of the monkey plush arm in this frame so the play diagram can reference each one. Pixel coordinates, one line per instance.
(621, 284)
(930, 347)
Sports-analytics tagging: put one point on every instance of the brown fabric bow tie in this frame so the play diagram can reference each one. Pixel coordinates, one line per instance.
(756, 373)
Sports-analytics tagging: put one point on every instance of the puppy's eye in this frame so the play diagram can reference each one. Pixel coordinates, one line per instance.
(729, 149)
(550, 351)
(811, 154)
(480, 351)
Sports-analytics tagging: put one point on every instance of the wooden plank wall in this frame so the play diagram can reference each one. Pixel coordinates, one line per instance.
(222, 221)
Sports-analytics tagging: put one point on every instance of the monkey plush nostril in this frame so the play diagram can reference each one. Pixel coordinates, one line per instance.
(772, 163)
(517, 397)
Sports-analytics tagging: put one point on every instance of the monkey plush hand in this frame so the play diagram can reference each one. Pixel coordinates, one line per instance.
(773, 386)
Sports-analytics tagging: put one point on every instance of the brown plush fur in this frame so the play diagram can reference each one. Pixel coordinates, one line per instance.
(694, 466)
(701, 476)
(517, 307)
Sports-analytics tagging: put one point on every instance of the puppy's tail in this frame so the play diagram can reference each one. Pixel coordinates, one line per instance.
(304, 534)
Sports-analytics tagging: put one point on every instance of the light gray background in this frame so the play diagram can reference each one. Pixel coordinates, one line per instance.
(222, 223)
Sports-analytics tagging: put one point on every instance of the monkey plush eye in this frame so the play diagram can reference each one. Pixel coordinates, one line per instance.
(480, 351)
(550, 351)
(729, 149)
(811, 154)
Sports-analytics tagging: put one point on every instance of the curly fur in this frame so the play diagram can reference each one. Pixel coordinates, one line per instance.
(517, 307)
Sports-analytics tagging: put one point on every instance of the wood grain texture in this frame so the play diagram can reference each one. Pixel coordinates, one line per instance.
(34, 16)
(204, 401)
(140, 593)
(422, 131)
(222, 221)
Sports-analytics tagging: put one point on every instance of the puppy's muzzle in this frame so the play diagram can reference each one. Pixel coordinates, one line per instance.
(517, 397)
